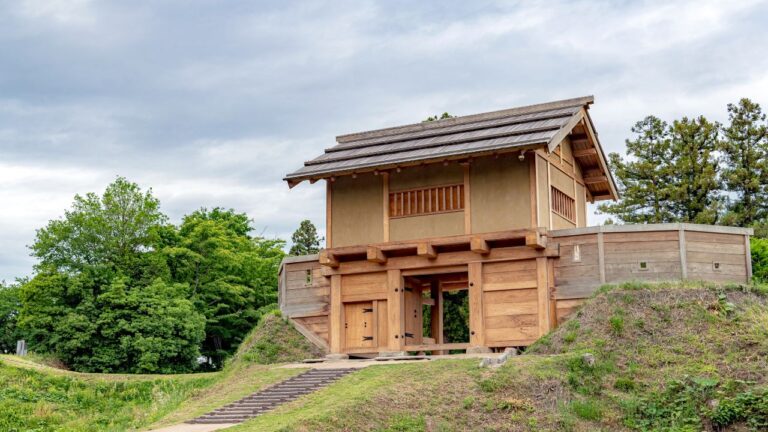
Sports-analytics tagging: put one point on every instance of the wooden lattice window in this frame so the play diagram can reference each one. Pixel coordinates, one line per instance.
(563, 205)
(431, 200)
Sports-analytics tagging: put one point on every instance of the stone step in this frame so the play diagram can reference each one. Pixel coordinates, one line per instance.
(272, 397)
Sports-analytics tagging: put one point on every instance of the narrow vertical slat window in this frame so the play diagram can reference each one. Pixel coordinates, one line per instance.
(563, 205)
(438, 199)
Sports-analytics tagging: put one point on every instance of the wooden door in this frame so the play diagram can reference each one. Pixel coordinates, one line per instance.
(359, 325)
(413, 313)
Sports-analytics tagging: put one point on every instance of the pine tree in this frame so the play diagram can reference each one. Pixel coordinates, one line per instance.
(745, 161)
(644, 182)
(305, 240)
(695, 194)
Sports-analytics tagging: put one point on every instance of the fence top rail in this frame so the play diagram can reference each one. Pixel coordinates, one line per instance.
(651, 228)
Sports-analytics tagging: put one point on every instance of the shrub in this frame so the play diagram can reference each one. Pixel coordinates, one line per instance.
(617, 324)
(759, 248)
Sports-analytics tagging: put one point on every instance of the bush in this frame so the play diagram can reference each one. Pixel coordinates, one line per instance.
(759, 247)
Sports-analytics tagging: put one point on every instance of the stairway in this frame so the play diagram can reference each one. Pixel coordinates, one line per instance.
(272, 397)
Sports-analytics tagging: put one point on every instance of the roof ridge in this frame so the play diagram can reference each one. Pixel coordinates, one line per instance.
(375, 133)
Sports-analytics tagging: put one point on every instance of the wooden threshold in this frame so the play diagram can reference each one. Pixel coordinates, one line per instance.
(436, 347)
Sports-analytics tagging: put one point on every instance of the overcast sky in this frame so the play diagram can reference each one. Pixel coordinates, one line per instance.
(211, 103)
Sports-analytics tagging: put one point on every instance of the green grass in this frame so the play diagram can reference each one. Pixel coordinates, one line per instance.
(38, 400)
(662, 352)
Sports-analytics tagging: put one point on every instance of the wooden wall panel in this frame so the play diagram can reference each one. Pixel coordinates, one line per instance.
(704, 250)
(510, 302)
(566, 307)
(361, 287)
(303, 295)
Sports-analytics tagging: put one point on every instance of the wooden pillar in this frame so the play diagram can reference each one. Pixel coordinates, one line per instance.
(542, 287)
(476, 321)
(436, 315)
(534, 187)
(552, 294)
(395, 310)
(748, 255)
(467, 201)
(385, 183)
(328, 213)
(683, 253)
(336, 320)
(601, 257)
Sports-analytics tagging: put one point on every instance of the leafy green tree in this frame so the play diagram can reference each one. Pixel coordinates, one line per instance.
(10, 304)
(114, 327)
(745, 163)
(645, 181)
(305, 240)
(231, 275)
(111, 231)
(695, 192)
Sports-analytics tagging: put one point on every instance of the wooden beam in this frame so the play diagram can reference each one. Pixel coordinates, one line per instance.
(595, 179)
(376, 255)
(437, 315)
(328, 259)
(601, 198)
(542, 288)
(476, 321)
(425, 249)
(427, 301)
(437, 347)
(585, 152)
(445, 259)
(395, 310)
(479, 245)
(336, 318)
(535, 240)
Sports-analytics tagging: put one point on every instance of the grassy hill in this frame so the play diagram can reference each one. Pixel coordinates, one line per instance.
(666, 357)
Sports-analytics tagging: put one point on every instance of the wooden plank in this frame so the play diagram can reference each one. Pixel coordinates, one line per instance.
(479, 245)
(511, 321)
(382, 322)
(510, 266)
(467, 201)
(424, 249)
(428, 301)
(376, 255)
(435, 270)
(510, 296)
(585, 152)
(536, 240)
(395, 310)
(385, 187)
(509, 285)
(713, 237)
(336, 319)
(514, 333)
(475, 272)
(437, 347)
(601, 257)
(543, 297)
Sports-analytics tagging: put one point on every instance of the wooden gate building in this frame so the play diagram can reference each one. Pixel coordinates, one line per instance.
(494, 204)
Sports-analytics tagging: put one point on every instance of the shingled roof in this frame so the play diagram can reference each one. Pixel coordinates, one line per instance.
(455, 138)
